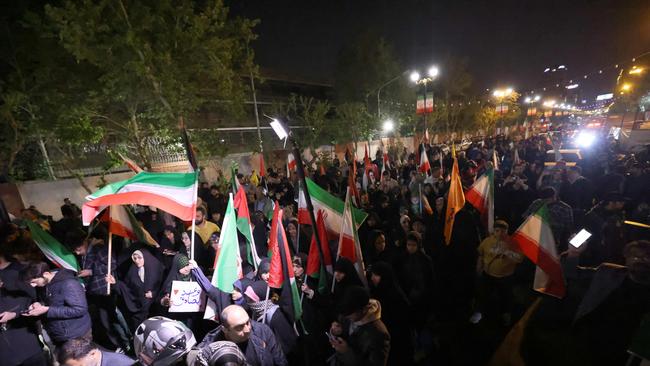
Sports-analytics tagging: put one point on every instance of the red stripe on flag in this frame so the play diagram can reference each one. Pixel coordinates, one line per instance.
(90, 208)
(545, 261)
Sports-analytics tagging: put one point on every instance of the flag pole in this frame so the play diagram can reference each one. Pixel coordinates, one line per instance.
(338, 251)
(266, 306)
(310, 207)
(110, 254)
(196, 190)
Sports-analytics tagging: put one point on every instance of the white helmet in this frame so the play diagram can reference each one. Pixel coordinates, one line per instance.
(161, 341)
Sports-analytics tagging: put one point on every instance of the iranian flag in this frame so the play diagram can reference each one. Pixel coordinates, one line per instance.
(535, 239)
(281, 274)
(425, 167)
(331, 206)
(244, 226)
(291, 164)
(53, 250)
(122, 222)
(228, 268)
(481, 196)
(349, 245)
(174, 193)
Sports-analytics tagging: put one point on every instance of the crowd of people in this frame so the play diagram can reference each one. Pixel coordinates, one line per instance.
(421, 302)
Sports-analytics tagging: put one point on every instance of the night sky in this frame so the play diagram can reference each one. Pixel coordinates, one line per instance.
(505, 41)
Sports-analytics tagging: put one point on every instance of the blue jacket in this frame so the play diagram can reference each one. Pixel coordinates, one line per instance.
(68, 315)
(265, 351)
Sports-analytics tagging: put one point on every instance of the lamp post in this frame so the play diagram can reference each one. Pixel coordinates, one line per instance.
(284, 133)
(415, 77)
(384, 85)
(500, 95)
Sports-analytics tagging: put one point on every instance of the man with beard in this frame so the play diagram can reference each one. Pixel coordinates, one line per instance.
(204, 228)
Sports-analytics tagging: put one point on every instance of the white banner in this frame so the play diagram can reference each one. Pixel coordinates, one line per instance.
(186, 297)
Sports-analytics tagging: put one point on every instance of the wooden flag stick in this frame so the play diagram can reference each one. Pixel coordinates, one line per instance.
(110, 254)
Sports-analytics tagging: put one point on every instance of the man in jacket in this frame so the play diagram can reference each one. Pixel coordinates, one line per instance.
(255, 340)
(368, 342)
(65, 310)
(83, 352)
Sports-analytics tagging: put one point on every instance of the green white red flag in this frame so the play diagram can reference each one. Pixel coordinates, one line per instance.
(53, 250)
(122, 222)
(174, 193)
(331, 206)
(481, 196)
(349, 244)
(314, 267)
(228, 268)
(281, 274)
(535, 239)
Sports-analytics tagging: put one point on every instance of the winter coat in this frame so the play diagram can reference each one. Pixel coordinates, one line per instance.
(369, 341)
(265, 351)
(67, 316)
(19, 341)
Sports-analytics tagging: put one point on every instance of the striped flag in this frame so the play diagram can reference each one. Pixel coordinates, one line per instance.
(332, 208)
(349, 245)
(425, 167)
(281, 274)
(481, 196)
(314, 267)
(228, 268)
(244, 226)
(174, 193)
(262, 167)
(122, 222)
(535, 239)
(291, 163)
(455, 198)
(53, 250)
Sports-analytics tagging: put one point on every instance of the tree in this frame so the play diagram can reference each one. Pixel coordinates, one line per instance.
(156, 61)
(310, 113)
(486, 118)
(353, 123)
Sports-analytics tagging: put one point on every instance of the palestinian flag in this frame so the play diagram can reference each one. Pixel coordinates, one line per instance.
(228, 268)
(481, 196)
(244, 226)
(535, 239)
(122, 222)
(281, 275)
(332, 208)
(349, 244)
(174, 193)
(455, 198)
(314, 268)
(53, 250)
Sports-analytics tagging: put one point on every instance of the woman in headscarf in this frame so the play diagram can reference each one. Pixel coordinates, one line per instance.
(140, 286)
(395, 310)
(203, 255)
(345, 276)
(376, 249)
(297, 241)
(416, 277)
(264, 308)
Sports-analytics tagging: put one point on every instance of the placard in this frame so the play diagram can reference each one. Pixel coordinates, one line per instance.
(186, 297)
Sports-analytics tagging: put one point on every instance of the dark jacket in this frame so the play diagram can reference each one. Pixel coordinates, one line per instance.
(369, 342)
(19, 341)
(68, 315)
(265, 351)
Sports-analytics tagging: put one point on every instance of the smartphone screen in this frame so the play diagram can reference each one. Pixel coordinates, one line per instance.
(580, 238)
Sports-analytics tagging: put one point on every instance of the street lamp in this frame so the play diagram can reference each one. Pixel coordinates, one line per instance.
(382, 86)
(626, 88)
(636, 70)
(500, 95)
(388, 126)
(432, 73)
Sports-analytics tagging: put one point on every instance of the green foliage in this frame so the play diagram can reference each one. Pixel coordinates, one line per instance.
(353, 123)
(309, 112)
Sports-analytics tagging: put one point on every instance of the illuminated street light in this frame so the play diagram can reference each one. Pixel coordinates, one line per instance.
(528, 100)
(636, 70)
(388, 125)
(433, 71)
(626, 87)
(279, 129)
(537, 98)
(415, 76)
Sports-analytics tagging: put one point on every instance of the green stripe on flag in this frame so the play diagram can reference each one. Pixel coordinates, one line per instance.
(173, 180)
(52, 249)
(319, 194)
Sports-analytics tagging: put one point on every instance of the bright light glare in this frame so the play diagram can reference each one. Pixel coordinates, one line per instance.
(433, 71)
(572, 86)
(509, 91)
(527, 100)
(537, 98)
(585, 139)
(415, 76)
(388, 125)
(626, 87)
(279, 129)
(498, 93)
(636, 70)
